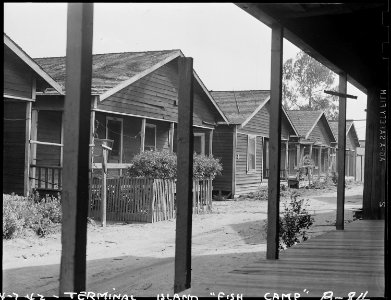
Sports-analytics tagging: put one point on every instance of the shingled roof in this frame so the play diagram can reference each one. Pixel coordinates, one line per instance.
(349, 126)
(111, 69)
(304, 120)
(44, 77)
(239, 105)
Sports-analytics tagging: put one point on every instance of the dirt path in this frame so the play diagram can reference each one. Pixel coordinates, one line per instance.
(138, 259)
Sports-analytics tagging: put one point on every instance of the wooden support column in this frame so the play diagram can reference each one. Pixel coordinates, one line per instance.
(27, 150)
(142, 135)
(369, 148)
(347, 163)
(286, 159)
(311, 151)
(328, 160)
(320, 162)
(211, 142)
(94, 105)
(341, 152)
(273, 212)
(76, 140)
(182, 279)
(298, 155)
(171, 137)
(33, 147)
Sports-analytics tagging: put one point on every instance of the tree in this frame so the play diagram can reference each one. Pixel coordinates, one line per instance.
(304, 80)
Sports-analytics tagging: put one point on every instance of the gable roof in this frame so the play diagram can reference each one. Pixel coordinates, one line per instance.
(239, 106)
(349, 128)
(306, 120)
(15, 48)
(112, 72)
(111, 69)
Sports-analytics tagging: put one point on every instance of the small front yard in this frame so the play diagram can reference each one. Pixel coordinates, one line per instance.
(138, 258)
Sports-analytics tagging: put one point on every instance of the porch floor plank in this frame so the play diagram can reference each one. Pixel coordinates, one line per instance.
(351, 260)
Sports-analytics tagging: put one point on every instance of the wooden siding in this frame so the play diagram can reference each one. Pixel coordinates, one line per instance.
(156, 96)
(18, 77)
(247, 182)
(319, 134)
(52, 102)
(223, 149)
(259, 124)
(14, 138)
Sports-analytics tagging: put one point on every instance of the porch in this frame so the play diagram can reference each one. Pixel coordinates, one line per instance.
(341, 261)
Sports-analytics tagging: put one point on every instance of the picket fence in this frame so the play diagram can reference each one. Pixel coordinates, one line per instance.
(144, 199)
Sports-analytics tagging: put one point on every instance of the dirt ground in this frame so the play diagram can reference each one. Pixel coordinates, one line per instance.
(138, 259)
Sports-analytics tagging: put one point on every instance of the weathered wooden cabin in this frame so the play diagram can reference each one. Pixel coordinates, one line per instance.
(316, 139)
(23, 78)
(134, 102)
(352, 143)
(243, 144)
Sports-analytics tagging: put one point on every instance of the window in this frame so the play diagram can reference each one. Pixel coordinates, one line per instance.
(199, 143)
(251, 153)
(150, 137)
(114, 132)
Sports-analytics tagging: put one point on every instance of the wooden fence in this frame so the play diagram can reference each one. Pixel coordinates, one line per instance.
(144, 200)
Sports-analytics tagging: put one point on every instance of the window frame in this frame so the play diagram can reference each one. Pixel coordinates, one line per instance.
(110, 118)
(149, 125)
(202, 136)
(251, 136)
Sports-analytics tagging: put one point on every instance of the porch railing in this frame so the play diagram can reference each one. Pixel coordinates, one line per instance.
(45, 177)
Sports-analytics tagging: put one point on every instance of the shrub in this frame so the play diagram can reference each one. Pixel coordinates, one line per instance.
(206, 166)
(20, 213)
(163, 165)
(294, 222)
(153, 164)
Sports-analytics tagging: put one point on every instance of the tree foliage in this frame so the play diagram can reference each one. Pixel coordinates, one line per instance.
(304, 80)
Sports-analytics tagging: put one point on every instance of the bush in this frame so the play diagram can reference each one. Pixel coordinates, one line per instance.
(206, 166)
(294, 222)
(40, 215)
(163, 165)
(154, 164)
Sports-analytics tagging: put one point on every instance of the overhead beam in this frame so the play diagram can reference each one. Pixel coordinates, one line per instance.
(184, 185)
(341, 153)
(273, 211)
(340, 94)
(76, 148)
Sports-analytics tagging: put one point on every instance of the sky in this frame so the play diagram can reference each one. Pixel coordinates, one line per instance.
(230, 48)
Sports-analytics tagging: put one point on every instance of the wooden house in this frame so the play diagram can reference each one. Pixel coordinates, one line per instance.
(134, 102)
(315, 139)
(23, 79)
(243, 144)
(352, 143)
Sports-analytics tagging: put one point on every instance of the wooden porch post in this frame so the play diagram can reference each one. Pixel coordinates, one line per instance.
(348, 163)
(76, 139)
(275, 142)
(171, 137)
(27, 150)
(328, 160)
(298, 154)
(311, 151)
(33, 147)
(341, 153)
(184, 209)
(211, 142)
(320, 162)
(286, 160)
(142, 144)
